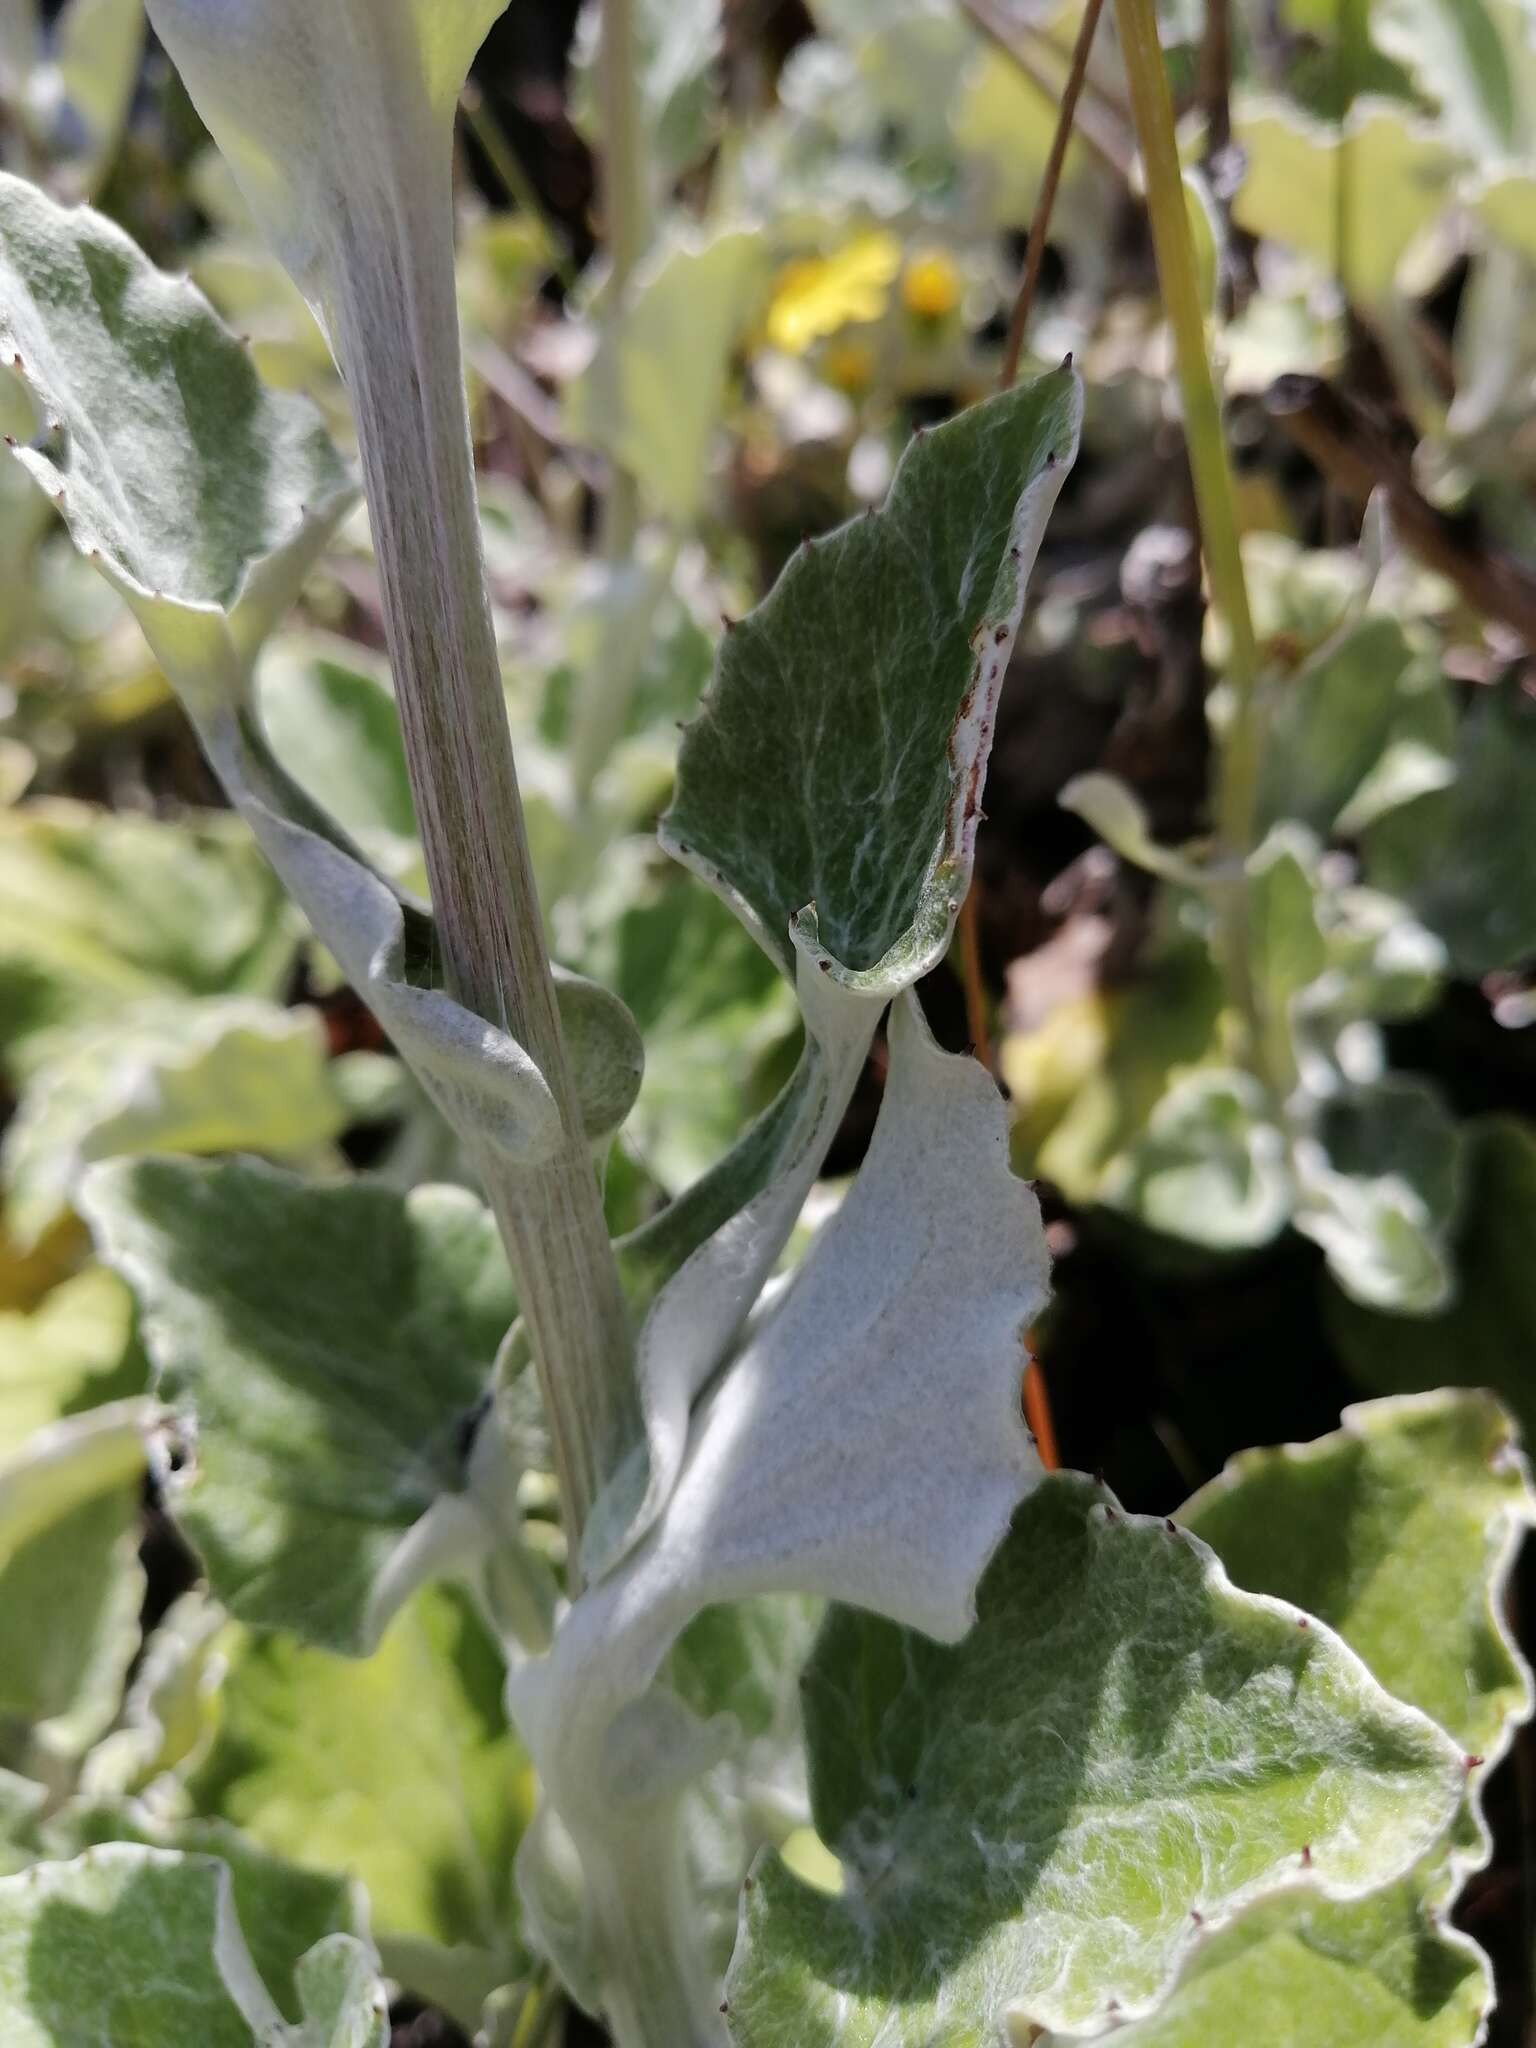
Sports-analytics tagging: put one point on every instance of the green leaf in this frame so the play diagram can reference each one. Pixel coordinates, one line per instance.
(829, 793)
(344, 2004)
(1028, 1821)
(314, 108)
(1486, 1335)
(330, 1347)
(1456, 55)
(866, 1443)
(1292, 171)
(1285, 946)
(677, 50)
(1119, 817)
(205, 498)
(70, 1581)
(199, 494)
(98, 48)
(1379, 1188)
(1381, 961)
(169, 1710)
(744, 1658)
(652, 396)
(1464, 857)
(829, 789)
(332, 722)
(283, 1911)
(399, 1771)
(1399, 1530)
(1085, 1083)
(710, 1005)
(22, 1801)
(101, 910)
(1209, 1168)
(1381, 1972)
(1333, 722)
(73, 1351)
(215, 1076)
(142, 1948)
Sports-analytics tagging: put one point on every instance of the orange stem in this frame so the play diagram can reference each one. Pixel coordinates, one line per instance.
(977, 1027)
(1037, 1413)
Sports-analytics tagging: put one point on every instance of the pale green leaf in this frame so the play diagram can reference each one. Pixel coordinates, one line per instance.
(1028, 1822)
(1085, 1083)
(653, 394)
(216, 1076)
(1003, 124)
(282, 1910)
(710, 1005)
(205, 500)
(677, 49)
(1399, 1530)
(829, 792)
(344, 2003)
(169, 1710)
(1285, 945)
(355, 98)
(1291, 176)
(1209, 1168)
(98, 911)
(1456, 54)
(1506, 200)
(1119, 817)
(121, 1946)
(22, 1801)
(142, 1948)
(903, 1324)
(1464, 857)
(1381, 1972)
(744, 1659)
(1485, 1336)
(330, 1346)
(1381, 962)
(70, 1581)
(74, 1350)
(398, 1771)
(206, 496)
(830, 787)
(98, 49)
(1379, 1188)
(1332, 723)
(330, 716)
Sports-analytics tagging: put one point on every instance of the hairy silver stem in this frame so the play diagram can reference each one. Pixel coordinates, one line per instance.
(396, 330)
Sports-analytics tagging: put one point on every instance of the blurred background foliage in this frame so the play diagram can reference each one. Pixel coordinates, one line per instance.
(839, 196)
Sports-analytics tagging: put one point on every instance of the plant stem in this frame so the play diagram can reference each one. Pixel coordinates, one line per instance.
(1237, 792)
(1177, 274)
(397, 333)
(505, 162)
(626, 221)
(977, 1026)
(1100, 122)
(1041, 219)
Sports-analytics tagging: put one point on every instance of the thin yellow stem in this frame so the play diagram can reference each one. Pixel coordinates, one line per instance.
(1238, 776)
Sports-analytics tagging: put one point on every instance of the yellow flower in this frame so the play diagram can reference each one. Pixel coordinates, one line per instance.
(931, 286)
(849, 366)
(823, 293)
